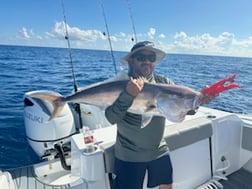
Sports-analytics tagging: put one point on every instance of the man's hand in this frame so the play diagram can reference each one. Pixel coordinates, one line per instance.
(134, 86)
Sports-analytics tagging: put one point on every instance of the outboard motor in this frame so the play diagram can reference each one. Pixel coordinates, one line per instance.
(47, 138)
(93, 117)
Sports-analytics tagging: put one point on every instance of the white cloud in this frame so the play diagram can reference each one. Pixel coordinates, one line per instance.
(25, 33)
(223, 44)
(226, 43)
(76, 33)
(205, 43)
(162, 36)
(245, 43)
(151, 32)
(122, 34)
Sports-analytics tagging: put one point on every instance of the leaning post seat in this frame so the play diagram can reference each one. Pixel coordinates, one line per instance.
(188, 132)
(190, 151)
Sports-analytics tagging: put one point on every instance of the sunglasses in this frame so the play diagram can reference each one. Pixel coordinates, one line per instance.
(144, 57)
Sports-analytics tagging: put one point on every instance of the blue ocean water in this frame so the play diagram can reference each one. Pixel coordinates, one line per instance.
(25, 69)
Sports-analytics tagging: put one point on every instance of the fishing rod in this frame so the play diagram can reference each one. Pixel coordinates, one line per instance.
(109, 38)
(134, 38)
(76, 106)
(69, 47)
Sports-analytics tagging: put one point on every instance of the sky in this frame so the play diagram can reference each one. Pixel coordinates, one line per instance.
(208, 27)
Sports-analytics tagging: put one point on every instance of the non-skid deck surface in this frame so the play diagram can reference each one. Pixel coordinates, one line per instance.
(241, 179)
(25, 178)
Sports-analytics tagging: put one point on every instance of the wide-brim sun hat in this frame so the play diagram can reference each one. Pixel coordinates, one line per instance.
(144, 45)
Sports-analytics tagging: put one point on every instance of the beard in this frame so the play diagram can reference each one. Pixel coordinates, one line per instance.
(146, 70)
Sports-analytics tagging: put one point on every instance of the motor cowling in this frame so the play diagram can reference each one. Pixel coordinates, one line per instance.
(42, 133)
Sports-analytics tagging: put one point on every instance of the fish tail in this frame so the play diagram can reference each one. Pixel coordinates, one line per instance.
(57, 102)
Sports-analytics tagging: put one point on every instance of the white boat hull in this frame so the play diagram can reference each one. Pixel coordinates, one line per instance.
(205, 150)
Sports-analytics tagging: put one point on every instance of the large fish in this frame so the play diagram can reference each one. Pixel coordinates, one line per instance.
(170, 101)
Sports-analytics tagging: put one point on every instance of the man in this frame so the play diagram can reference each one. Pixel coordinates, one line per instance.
(140, 150)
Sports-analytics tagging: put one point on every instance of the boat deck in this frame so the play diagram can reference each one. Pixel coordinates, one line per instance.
(241, 179)
(24, 178)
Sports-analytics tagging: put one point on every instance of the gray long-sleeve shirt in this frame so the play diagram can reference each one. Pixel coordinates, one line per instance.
(133, 143)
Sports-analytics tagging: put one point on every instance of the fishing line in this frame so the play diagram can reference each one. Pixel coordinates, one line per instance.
(109, 38)
(134, 38)
(76, 105)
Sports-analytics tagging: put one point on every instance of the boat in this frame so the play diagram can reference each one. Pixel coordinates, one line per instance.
(211, 149)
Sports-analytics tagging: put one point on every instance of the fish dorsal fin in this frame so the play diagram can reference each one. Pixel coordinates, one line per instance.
(146, 119)
(118, 77)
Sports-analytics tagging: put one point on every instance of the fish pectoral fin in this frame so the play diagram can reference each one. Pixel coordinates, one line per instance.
(172, 109)
(146, 119)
